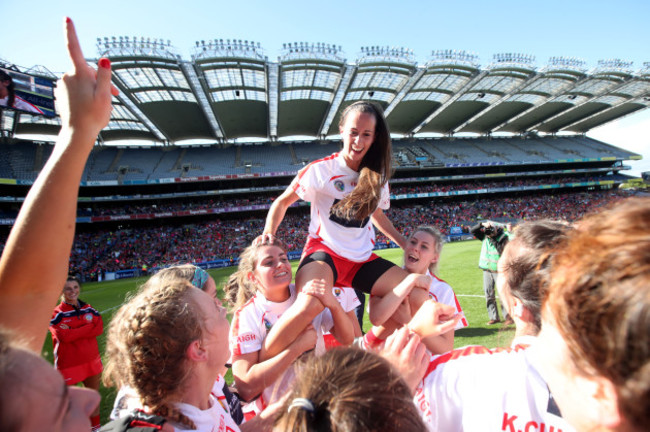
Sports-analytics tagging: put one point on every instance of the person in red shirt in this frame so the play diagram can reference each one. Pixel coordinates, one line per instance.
(75, 326)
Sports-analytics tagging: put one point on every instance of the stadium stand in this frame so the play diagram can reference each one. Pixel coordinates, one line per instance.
(470, 142)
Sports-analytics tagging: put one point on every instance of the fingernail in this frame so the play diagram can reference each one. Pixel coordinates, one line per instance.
(104, 63)
(68, 20)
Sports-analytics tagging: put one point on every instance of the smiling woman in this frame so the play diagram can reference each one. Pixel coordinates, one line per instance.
(260, 291)
(75, 326)
(348, 193)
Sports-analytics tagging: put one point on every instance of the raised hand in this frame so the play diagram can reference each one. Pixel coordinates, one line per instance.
(433, 319)
(83, 94)
(407, 354)
(318, 288)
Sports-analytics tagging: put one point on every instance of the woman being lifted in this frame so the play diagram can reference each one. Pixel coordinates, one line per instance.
(348, 192)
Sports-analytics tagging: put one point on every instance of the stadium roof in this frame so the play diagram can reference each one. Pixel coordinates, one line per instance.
(230, 90)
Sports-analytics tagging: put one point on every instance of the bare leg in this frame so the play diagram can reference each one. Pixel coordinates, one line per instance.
(93, 383)
(382, 286)
(391, 279)
(300, 314)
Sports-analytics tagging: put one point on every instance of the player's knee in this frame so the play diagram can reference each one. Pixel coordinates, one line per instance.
(416, 297)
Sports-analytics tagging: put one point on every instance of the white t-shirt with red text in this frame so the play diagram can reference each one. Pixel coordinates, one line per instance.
(477, 389)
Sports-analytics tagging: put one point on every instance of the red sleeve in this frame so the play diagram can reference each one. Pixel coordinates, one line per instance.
(71, 335)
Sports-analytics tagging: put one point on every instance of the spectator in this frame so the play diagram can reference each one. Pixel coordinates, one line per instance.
(494, 237)
(75, 326)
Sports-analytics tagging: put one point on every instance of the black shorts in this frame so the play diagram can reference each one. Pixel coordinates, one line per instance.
(347, 273)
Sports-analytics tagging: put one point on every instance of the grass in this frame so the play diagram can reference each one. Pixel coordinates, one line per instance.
(458, 266)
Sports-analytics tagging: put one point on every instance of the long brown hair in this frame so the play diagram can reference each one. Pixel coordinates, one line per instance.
(349, 390)
(375, 169)
(239, 288)
(526, 269)
(599, 299)
(147, 344)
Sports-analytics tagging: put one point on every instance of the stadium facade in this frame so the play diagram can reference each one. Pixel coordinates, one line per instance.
(527, 125)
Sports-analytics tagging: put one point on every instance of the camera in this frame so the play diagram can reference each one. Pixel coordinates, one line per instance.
(490, 231)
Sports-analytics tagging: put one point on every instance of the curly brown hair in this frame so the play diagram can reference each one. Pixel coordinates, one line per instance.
(147, 343)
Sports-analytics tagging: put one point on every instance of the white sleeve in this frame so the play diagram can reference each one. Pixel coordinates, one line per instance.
(308, 182)
(351, 300)
(438, 399)
(347, 298)
(246, 336)
(445, 295)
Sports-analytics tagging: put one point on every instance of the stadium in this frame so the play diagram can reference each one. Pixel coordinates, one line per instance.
(228, 129)
(199, 147)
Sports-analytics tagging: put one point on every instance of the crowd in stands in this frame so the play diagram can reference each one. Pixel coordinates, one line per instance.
(166, 206)
(112, 250)
(578, 297)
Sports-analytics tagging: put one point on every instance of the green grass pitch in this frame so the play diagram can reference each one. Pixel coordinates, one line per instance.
(458, 266)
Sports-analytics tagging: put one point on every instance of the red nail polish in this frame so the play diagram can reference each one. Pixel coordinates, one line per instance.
(104, 63)
(68, 20)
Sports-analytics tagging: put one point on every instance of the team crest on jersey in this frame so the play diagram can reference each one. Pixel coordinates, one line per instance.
(337, 291)
(88, 317)
(267, 325)
(432, 296)
(339, 185)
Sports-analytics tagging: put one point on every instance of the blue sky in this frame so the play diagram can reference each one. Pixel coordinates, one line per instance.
(590, 30)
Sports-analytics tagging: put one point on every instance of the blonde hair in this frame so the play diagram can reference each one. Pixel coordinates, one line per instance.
(239, 288)
(438, 242)
(375, 169)
(147, 343)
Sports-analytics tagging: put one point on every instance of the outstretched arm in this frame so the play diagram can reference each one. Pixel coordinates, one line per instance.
(278, 210)
(34, 264)
(252, 375)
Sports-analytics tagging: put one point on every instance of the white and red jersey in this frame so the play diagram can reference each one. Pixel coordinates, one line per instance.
(324, 183)
(250, 325)
(252, 322)
(214, 419)
(21, 104)
(478, 389)
(442, 292)
(348, 300)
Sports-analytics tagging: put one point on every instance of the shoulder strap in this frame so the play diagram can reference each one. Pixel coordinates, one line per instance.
(137, 421)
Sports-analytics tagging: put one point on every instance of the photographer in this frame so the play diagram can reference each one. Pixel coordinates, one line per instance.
(494, 238)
